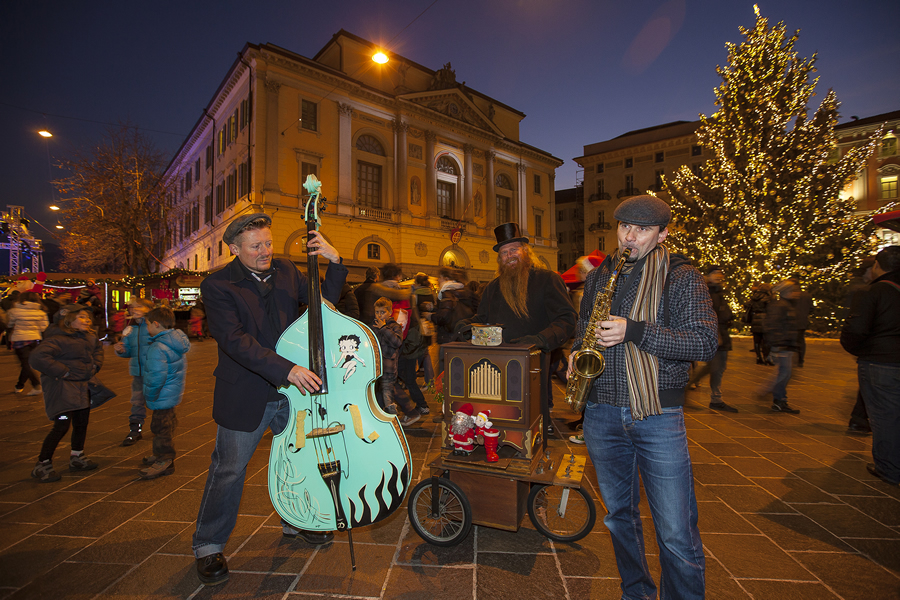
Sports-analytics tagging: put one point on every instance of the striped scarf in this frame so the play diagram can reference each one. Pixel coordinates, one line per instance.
(642, 369)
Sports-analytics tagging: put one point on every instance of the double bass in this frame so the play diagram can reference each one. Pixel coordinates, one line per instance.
(341, 462)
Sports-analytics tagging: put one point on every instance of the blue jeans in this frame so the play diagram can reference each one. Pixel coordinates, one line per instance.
(138, 406)
(880, 386)
(225, 481)
(777, 386)
(656, 449)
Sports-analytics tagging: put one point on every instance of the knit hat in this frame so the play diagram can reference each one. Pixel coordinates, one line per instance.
(644, 210)
(237, 226)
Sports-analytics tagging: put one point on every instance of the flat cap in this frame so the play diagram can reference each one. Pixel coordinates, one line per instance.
(644, 210)
(237, 226)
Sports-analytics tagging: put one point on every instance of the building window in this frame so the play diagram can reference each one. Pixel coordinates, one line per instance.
(537, 184)
(245, 112)
(197, 170)
(220, 198)
(446, 192)
(696, 150)
(209, 156)
(373, 252)
(445, 165)
(186, 231)
(233, 127)
(502, 181)
(659, 156)
(560, 237)
(370, 144)
(207, 208)
(695, 169)
(502, 209)
(889, 187)
(538, 226)
(658, 179)
(221, 142)
(231, 189)
(209, 254)
(307, 169)
(599, 167)
(601, 244)
(368, 184)
(889, 146)
(601, 187)
(220, 247)
(195, 216)
(309, 115)
(629, 162)
(561, 215)
(629, 184)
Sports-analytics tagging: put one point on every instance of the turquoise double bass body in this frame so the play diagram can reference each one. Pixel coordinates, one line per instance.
(341, 462)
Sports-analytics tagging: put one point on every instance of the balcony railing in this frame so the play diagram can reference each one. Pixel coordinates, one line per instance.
(628, 192)
(374, 214)
(449, 224)
(599, 197)
(601, 226)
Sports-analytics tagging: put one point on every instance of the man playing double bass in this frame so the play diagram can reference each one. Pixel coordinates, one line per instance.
(249, 304)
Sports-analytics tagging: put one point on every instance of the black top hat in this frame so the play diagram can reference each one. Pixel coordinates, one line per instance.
(507, 233)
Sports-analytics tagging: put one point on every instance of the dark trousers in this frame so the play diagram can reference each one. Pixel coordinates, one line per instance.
(163, 426)
(859, 415)
(27, 373)
(760, 346)
(801, 342)
(406, 370)
(79, 420)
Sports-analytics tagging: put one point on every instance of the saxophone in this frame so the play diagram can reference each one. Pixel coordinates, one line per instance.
(589, 363)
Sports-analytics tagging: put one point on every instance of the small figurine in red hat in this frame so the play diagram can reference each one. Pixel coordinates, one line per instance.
(485, 428)
(461, 431)
(38, 286)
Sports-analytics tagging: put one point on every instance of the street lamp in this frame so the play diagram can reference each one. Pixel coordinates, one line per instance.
(54, 207)
(380, 57)
(45, 133)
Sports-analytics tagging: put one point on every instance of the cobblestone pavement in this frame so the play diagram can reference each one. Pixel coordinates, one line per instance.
(787, 509)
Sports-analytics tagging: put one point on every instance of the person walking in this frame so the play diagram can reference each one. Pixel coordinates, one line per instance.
(781, 335)
(27, 320)
(715, 281)
(134, 345)
(67, 358)
(872, 334)
(760, 296)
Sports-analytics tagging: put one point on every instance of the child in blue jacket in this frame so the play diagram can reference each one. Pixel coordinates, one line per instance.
(164, 375)
(134, 345)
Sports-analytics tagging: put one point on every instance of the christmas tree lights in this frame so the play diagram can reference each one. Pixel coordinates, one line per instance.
(767, 205)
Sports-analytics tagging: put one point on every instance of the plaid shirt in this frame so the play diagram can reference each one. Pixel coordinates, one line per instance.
(689, 335)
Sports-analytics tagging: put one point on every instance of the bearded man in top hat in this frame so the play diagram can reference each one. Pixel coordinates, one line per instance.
(531, 302)
(661, 318)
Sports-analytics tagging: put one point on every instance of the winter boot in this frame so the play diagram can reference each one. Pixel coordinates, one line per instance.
(491, 442)
(81, 463)
(163, 466)
(44, 472)
(133, 436)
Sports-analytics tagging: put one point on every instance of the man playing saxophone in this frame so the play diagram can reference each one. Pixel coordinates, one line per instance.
(660, 319)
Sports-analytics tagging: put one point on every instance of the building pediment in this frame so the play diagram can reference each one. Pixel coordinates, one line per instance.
(454, 104)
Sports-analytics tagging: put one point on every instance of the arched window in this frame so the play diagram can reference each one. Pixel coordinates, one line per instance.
(368, 143)
(502, 181)
(445, 165)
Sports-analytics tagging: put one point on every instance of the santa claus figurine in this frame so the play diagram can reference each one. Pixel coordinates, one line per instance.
(485, 428)
(461, 431)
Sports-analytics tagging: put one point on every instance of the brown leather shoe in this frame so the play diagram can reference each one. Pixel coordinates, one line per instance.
(212, 569)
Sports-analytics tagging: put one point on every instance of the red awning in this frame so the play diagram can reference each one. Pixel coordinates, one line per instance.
(889, 220)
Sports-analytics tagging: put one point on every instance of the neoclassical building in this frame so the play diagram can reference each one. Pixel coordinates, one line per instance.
(406, 155)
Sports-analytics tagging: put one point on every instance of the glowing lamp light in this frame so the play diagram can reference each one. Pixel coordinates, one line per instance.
(54, 207)
(380, 58)
(45, 133)
(59, 226)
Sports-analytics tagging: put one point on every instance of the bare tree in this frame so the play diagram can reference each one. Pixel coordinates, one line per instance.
(114, 205)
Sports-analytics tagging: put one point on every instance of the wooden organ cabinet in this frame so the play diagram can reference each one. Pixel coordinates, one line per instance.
(505, 380)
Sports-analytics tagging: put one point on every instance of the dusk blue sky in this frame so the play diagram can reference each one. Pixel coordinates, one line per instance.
(583, 71)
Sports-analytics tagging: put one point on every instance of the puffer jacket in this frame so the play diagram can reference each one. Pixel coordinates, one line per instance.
(872, 331)
(28, 320)
(781, 326)
(686, 334)
(165, 369)
(137, 343)
(66, 362)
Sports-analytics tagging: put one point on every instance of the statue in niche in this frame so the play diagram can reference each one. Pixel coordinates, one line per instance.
(443, 78)
(478, 204)
(415, 191)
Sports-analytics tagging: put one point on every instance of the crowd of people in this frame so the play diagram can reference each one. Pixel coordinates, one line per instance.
(667, 327)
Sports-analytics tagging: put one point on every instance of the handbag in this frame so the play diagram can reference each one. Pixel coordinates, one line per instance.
(98, 392)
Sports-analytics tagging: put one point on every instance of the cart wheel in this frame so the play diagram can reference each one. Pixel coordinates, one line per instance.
(562, 514)
(450, 523)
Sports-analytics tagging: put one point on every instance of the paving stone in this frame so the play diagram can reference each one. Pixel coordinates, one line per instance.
(82, 581)
(434, 583)
(798, 532)
(779, 590)
(329, 570)
(754, 557)
(749, 498)
(503, 576)
(845, 521)
(851, 576)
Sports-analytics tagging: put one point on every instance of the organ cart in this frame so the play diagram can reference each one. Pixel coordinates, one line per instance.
(514, 470)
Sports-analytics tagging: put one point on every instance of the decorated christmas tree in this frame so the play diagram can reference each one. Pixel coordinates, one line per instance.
(767, 204)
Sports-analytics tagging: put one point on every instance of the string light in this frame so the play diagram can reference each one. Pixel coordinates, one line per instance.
(767, 204)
